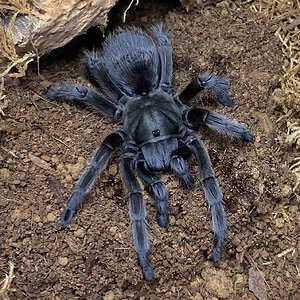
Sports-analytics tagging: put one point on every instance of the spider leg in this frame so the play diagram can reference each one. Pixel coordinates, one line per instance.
(88, 177)
(179, 167)
(165, 55)
(198, 117)
(83, 94)
(210, 82)
(212, 193)
(137, 213)
(97, 74)
(159, 193)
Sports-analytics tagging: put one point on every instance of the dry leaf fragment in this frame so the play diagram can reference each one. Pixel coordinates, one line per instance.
(257, 285)
(74, 246)
(41, 163)
(90, 262)
(55, 187)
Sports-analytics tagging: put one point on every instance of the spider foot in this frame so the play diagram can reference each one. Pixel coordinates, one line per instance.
(219, 86)
(247, 136)
(216, 255)
(218, 245)
(187, 181)
(162, 219)
(66, 217)
(145, 265)
(66, 93)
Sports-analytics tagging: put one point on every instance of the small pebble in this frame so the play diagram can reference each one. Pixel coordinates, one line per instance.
(109, 296)
(80, 233)
(16, 214)
(4, 173)
(279, 222)
(109, 192)
(113, 230)
(54, 159)
(172, 220)
(63, 261)
(51, 217)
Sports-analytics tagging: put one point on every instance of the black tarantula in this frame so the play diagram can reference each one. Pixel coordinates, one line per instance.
(134, 76)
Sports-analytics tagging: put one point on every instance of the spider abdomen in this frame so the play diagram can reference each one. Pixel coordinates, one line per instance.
(132, 60)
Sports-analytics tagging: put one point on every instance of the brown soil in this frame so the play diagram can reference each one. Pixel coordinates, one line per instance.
(44, 146)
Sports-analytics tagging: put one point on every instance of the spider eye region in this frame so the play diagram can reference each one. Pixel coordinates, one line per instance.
(156, 132)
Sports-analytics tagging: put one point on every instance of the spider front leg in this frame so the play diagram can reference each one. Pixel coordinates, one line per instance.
(210, 82)
(212, 193)
(89, 175)
(159, 193)
(165, 54)
(198, 117)
(83, 94)
(97, 74)
(137, 213)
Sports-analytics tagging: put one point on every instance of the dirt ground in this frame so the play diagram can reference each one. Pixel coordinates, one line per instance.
(44, 147)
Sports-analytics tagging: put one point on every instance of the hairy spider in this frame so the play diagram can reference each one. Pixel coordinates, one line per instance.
(134, 77)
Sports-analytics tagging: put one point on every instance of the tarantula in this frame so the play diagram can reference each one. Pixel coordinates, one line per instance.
(134, 77)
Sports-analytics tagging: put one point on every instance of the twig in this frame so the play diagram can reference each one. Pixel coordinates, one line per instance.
(59, 141)
(129, 6)
(285, 252)
(9, 152)
(6, 283)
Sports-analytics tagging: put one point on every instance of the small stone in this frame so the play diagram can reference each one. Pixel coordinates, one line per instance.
(286, 190)
(49, 207)
(36, 218)
(113, 230)
(60, 167)
(217, 283)
(63, 261)
(109, 192)
(172, 220)
(51, 217)
(109, 296)
(16, 214)
(293, 209)
(80, 233)
(54, 159)
(76, 169)
(81, 160)
(279, 222)
(197, 296)
(69, 178)
(22, 176)
(240, 280)
(4, 173)
(113, 170)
